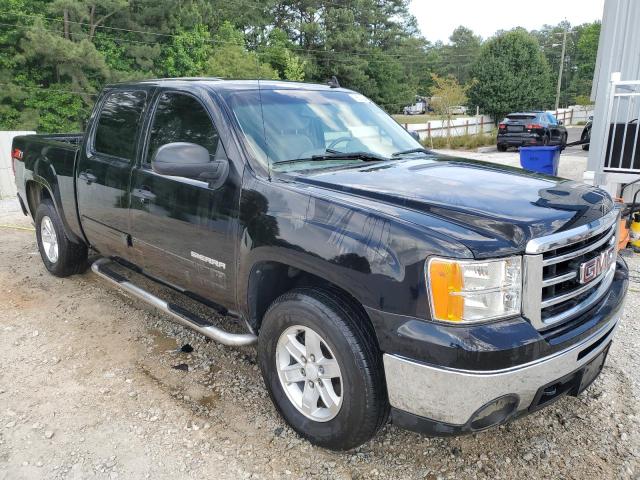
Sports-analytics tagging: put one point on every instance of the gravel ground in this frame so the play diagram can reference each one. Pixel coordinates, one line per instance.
(89, 389)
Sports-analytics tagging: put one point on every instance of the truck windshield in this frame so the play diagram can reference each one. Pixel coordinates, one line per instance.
(304, 129)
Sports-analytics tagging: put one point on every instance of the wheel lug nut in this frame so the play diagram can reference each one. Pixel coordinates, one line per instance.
(310, 384)
(321, 370)
(304, 374)
(320, 383)
(304, 359)
(312, 358)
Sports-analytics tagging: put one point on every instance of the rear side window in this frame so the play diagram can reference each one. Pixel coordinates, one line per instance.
(181, 118)
(118, 123)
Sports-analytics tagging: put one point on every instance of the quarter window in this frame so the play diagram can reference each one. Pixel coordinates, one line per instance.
(181, 118)
(118, 123)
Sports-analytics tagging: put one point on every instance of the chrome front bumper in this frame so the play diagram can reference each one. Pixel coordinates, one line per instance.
(452, 396)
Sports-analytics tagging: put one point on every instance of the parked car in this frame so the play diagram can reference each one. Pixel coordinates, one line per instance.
(530, 128)
(418, 108)
(586, 134)
(377, 278)
(458, 110)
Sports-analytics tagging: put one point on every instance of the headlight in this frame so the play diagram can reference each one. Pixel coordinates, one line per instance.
(474, 291)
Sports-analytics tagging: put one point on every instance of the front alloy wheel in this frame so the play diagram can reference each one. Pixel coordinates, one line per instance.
(309, 373)
(323, 369)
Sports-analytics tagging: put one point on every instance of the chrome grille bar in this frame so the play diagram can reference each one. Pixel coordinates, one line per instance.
(575, 235)
(574, 293)
(579, 252)
(539, 290)
(559, 279)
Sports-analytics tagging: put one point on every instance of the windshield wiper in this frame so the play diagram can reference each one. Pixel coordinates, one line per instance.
(412, 150)
(336, 155)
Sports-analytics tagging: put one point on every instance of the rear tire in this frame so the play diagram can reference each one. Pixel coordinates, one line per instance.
(292, 323)
(563, 142)
(502, 148)
(60, 256)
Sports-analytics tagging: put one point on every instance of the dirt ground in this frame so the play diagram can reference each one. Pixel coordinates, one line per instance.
(89, 389)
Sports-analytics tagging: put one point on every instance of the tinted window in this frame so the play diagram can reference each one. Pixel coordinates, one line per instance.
(118, 122)
(181, 118)
(552, 120)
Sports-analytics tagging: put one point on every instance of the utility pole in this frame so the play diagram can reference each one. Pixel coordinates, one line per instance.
(564, 48)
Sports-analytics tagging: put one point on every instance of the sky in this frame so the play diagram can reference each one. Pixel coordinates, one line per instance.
(438, 18)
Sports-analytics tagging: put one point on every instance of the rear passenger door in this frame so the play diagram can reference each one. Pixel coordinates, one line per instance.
(104, 170)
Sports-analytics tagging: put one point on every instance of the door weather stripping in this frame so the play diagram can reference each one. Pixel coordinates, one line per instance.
(181, 315)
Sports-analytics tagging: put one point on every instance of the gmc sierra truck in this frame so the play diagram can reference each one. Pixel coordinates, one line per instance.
(377, 278)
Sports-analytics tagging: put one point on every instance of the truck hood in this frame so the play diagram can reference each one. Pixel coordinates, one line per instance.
(491, 209)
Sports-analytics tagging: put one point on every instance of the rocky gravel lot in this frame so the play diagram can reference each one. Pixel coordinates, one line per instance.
(89, 389)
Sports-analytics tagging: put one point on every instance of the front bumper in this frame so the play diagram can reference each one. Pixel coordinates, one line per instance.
(478, 385)
(447, 401)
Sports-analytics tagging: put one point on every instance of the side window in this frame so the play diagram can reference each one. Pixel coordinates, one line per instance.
(181, 118)
(118, 123)
(552, 119)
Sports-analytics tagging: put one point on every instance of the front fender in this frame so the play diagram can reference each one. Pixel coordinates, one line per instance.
(377, 259)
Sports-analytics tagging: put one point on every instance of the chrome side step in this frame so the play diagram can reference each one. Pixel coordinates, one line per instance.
(181, 315)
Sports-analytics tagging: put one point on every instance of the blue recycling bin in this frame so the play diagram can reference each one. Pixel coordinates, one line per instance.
(540, 159)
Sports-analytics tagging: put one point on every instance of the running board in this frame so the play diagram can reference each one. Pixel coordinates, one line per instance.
(181, 315)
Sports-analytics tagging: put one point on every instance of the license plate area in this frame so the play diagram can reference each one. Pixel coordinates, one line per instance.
(571, 384)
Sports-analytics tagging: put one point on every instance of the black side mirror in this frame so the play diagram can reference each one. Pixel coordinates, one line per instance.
(183, 159)
(414, 134)
(560, 122)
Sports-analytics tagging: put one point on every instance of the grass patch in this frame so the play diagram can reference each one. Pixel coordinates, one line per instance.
(462, 142)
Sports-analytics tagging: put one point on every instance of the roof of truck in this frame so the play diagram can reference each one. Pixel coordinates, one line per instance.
(223, 84)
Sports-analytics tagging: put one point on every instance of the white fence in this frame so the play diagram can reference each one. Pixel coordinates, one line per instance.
(7, 184)
(457, 127)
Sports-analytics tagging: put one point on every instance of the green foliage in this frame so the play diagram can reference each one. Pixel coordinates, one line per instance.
(511, 74)
(462, 142)
(231, 59)
(370, 46)
(188, 53)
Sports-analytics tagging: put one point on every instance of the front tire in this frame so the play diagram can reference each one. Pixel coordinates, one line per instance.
(502, 148)
(60, 256)
(323, 369)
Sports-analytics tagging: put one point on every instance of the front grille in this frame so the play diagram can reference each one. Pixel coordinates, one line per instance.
(553, 293)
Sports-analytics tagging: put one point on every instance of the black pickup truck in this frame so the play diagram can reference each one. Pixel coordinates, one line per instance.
(377, 278)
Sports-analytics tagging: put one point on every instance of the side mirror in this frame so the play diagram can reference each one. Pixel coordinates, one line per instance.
(560, 122)
(183, 159)
(414, 134)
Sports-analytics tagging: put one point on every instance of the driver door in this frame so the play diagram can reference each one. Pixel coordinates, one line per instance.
(182, 228)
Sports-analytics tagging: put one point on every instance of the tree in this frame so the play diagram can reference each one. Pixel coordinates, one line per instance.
(447, 93)
(188, 53)
(588, 36)
(511, 74)
(462, 51)
(231, 59)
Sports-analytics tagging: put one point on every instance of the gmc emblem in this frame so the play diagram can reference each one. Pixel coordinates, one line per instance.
(592, 269)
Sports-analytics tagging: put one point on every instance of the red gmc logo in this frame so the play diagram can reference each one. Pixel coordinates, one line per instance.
(592, 269)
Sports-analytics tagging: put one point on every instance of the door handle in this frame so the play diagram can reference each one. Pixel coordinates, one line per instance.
(88, 177)
(144, 194)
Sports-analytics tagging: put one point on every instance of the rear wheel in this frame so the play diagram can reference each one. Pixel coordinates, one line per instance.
(563, 142)
(60, 256)
(322, 367)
